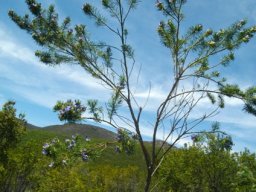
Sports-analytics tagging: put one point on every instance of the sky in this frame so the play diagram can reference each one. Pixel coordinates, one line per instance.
(36, 87)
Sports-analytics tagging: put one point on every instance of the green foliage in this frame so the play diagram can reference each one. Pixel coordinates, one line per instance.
(95, 110)
(114, 103)
(70, 151)
(215, 140)
(60, 179)
(98, 179)
(211, 97)
(231, 90)
(25, 164)
(113, 65)
(246, 176)
(70, 111)
(182, 171)
(127, 141)
(204, 44)
(207, 166)
(11, 129)
(28, 169)
(250, 100)
(109, 178)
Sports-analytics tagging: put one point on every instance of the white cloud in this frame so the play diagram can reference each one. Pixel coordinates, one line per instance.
(46, 99)
(12, 49)
(30, 78)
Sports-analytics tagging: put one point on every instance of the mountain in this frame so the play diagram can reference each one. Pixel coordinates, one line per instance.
(97, 134)
(32, 127)
(81, 129)
(108, 157)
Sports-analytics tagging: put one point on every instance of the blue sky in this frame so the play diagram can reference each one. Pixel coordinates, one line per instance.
(36, 87)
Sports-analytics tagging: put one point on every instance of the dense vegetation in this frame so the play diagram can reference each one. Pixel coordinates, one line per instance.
(207, 164)
(48, 160)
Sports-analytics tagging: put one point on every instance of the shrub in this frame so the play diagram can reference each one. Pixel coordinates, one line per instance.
(70, 111)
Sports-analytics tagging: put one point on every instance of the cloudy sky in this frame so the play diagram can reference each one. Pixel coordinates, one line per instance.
(36, 87)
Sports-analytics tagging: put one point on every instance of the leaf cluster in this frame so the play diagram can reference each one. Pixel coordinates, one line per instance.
(70, 111)
(11, 128)
(127, 141)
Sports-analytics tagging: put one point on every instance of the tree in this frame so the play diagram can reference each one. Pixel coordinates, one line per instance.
(246, 175)
(207, 165)
(219, 164)
(11, 129)
(70, 111)
(113, 66)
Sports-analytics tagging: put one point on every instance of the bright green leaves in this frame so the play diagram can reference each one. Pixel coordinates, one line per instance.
(45, 57)
(22, 22)
(215, 140)
(160, 6)
(70, 111)
(95, 110)
(112, 5)
(211, 98)
(227, 59)
(11, 128)
(128, 50)
(66, 23)
(127, 141)
(65, 153)
(107, 57)
(167, 33)
(232, 37)
(51, 58)
(80, 31)
(203, 67)
(106, 3)
(87, 8)
(93, 13)
(171, 7)
(43, 27)
(63, 43)
(208, 32)
(246, 179)
(250, 100)
(34, 7)
(200, 45)
(122, 82)
(198, 28)
(114, 103)
(216, 99)
(231, 90)
(221, 102)
(248, 96)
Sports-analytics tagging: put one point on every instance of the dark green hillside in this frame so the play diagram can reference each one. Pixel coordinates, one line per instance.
(97, 134)
(185, 168)
(81, 129)
(31, 127)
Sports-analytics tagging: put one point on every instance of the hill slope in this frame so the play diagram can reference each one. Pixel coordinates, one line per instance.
(81, 129)
(97, 134)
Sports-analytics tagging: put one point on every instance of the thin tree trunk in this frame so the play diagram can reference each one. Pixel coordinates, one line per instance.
(148, 180)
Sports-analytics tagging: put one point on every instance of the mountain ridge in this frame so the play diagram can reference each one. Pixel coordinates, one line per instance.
(85, 130)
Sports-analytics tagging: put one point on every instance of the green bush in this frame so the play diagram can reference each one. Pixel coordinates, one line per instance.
(11, 129)
(70, 111)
